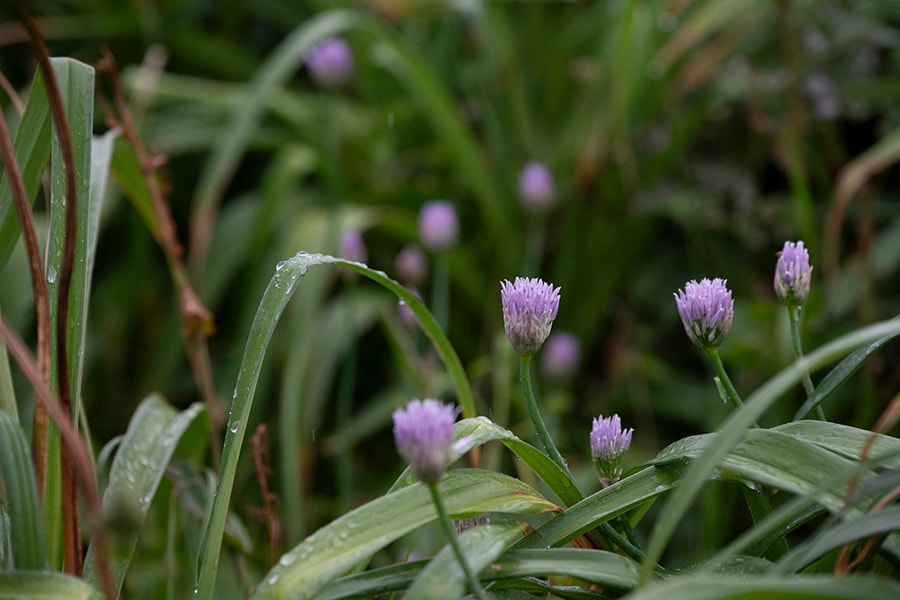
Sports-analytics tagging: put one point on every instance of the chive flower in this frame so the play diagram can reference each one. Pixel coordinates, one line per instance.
(352, 247)
(609, 442)
(411, 265)
(438, 225)
(536, 187)
(330, 63)
(706, 310)
(793, 275)
(561, 357)
(529, 308)
(423, 432)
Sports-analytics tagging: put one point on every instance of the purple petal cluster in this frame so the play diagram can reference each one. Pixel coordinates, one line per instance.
(411, 265)
(529, 308)
(330, 63)
(352, 247)
(608, 443)
(706, 310)
(536, 187)
(438, 225)
(423, 432)
(561, 356)
(793, 274)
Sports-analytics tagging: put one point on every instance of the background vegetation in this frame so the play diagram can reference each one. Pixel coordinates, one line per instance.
(687, 139)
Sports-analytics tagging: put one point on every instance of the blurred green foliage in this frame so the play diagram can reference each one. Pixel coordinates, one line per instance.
(687, 139)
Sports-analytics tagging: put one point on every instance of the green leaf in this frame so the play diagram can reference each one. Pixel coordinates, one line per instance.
(872, 524)
(760, 509)
(153, 434)
(840, 374)
(603, 568)
(810, 587)
(610, 502)
(335, 548)
(76, 86)
(24, 510)
(443, 578)
(44, 585)
(279, 291)
(7, 391)
(846, 441)
(734, 427)
(32, 148)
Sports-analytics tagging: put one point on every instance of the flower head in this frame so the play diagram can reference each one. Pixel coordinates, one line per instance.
(529, 307)
(438, 225)
(330, 62)
(793, 274)
(411, 265)
(560, 359)
(608, 443)
(706, 310)
(536, 187)
(423, 432)
(352, 247)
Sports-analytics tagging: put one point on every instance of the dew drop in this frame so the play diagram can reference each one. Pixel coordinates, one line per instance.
(287, 560)
(234, 426)
(279, 265)
(273, 579)
(51, 275)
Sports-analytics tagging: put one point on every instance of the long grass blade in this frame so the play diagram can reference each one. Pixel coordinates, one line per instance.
(24, 510)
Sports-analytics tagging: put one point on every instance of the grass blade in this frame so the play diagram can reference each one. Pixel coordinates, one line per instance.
(45, 585)
(153, 434)
(735, 426)
(281, 288)
(32, 148)
(443, 579)
(333, 549)
(24, 510)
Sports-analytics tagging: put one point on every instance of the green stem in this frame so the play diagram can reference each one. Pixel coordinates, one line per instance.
(343, 416)
(723, 378)
(440, 289)
(535, 414)
(450, 534)
(808, 386)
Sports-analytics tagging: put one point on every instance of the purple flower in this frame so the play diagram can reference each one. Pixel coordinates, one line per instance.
(438, 225)
(608, 443)
(561, 357)
(536, 187)
(423, 432)
(352, 247)
(793, 274)
(706, 310)
(529, 307)
(330, 62)
(411, 265)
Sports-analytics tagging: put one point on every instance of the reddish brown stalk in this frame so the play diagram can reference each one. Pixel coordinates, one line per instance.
(72, 549)
(196, 320)
(268, 514)
(888, 418)
(74, 449)
(41, 299)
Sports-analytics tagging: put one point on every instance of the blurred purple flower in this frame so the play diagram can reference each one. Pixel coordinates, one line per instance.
(330, 63)
(411, 265)
(405, 314)
(561, 357)
(352, 247)
(608, 443)
(423, 432)
(706, 310)
(438, 225)
(536, 187)
(793, 274)
(529, 308)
